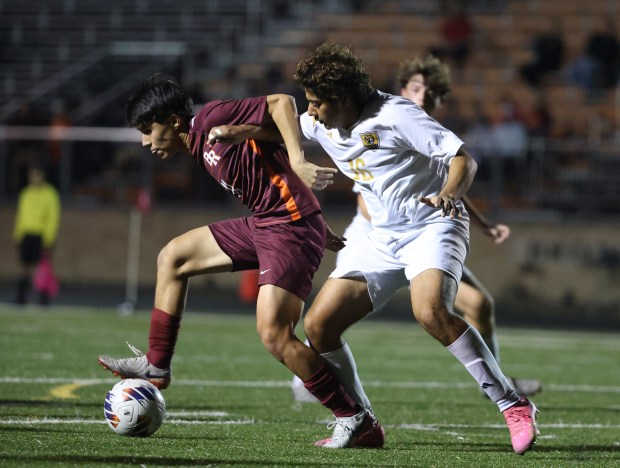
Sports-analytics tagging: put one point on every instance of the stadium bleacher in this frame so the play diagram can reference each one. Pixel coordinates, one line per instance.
(91, 53)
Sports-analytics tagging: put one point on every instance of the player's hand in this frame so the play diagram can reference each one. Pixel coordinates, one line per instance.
(315, 177)
(499, 233)
(334, 242)
(447, 204)
(229, 134)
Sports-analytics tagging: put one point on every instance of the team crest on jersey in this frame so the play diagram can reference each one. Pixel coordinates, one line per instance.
(370, 140)
(211, 158)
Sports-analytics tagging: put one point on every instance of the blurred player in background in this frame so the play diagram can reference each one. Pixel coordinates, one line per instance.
(36, 228)
(284, 238)
(426, 81)
(412, 174)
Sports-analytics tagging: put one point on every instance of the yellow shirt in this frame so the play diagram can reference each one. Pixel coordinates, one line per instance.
(38, 213)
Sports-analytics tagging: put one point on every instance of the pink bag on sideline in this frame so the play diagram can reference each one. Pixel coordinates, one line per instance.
(45, 280)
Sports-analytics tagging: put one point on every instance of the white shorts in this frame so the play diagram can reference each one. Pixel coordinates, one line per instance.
(355, 232)
(388, 260)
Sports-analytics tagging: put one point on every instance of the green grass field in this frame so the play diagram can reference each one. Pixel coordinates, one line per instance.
(230, 404)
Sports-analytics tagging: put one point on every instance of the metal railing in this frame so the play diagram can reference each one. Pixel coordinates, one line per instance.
(105, 166)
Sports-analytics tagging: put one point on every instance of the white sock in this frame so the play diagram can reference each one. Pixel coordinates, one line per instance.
(493, 345)
(342, 363)
(297, 381)
(470, 350)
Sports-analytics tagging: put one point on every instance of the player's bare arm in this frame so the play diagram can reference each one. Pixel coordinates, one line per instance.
(236, 134)
(498, 232)
(280, 125)
(320, 177)
(460, 177)
(283, 111)
(269, 130)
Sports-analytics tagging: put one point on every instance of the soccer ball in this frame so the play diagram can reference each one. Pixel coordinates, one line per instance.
(134, 408)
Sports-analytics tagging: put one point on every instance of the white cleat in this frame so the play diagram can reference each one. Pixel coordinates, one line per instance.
(347, 430)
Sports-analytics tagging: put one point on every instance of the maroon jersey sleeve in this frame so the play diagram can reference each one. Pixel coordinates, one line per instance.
(257, 172)
(248, 111)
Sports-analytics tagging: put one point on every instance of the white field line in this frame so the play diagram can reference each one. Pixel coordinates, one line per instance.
(197, 414)
(286, 384)
(55, 421)
(437, 427)
(237, 422)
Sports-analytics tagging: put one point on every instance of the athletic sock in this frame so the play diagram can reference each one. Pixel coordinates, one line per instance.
(470, 350)
(342, 363)
(326, 387)
(492, 344)
(162, 338)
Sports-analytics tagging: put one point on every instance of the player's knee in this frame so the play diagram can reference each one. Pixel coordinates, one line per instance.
(168, 258)
(313, 327)
(431, 315)
(273, 342)
(162, 258)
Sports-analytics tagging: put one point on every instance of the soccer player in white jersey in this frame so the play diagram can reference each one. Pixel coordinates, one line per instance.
(426, 81)
(412, 174)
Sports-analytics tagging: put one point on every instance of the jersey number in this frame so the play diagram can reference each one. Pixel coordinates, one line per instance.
(358, 168)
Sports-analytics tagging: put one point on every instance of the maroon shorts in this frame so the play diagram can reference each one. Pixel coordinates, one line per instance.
(286, 255)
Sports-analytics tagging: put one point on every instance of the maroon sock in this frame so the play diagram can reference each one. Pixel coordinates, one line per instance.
(162, 338)
(329, 391)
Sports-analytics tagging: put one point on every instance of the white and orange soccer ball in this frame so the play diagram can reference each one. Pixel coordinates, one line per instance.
(134, 408)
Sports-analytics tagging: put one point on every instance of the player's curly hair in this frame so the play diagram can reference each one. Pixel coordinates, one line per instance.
(156, 98)
(333, 73)
(436, 78)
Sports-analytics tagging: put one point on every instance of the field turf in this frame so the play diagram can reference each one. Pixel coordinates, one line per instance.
(230, 404)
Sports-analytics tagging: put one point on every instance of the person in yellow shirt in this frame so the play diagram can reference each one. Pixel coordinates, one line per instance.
(36, 228)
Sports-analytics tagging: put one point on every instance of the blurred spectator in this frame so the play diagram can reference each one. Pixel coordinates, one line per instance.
(456, 30)
(597, 67)
(539, 121)
(36, 228)
(478, 141)
(451, 117)
(509, 137)
(604, 48)
(548, 51)
(59, 120)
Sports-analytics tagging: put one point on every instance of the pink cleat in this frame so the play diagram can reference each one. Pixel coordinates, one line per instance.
(521, 420)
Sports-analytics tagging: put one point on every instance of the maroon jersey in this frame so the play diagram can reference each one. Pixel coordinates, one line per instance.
(258, 172)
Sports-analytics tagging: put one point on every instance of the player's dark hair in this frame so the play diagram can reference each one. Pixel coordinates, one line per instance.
(436, 78)
(156, 98)
(333, 73)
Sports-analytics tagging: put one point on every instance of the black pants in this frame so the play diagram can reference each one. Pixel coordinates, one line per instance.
(30, 252)
(30, 249)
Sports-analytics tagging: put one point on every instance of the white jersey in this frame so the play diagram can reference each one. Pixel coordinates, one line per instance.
(395, 152)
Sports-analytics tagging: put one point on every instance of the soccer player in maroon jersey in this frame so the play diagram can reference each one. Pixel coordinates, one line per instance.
(284, 238)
